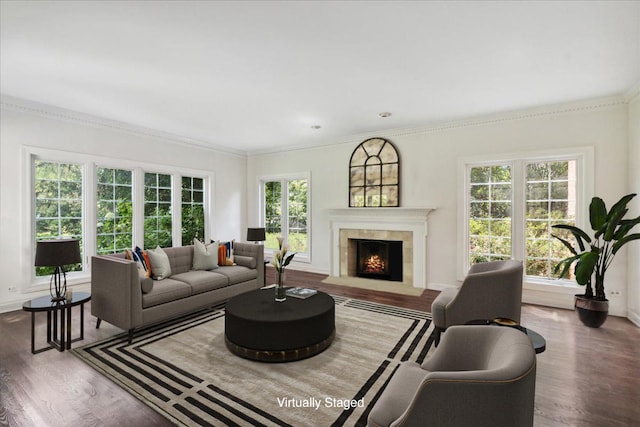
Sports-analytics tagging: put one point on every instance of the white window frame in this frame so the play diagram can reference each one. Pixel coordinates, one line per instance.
(90, 164)
(585, 184)
(97, 166)
(284, 178)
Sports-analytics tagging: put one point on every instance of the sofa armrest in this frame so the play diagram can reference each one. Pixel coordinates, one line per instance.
(116, 295)
(254, 251)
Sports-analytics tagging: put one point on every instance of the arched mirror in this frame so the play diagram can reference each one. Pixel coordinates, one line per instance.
(374, 174)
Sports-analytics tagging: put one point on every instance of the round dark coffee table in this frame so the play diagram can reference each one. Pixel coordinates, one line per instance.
(259, 328)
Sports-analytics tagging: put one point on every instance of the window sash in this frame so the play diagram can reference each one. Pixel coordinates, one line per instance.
(584, 184)
(281, 219)
(114, 214)
(58, 208)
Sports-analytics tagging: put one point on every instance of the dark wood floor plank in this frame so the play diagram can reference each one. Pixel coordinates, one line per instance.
(57, 389)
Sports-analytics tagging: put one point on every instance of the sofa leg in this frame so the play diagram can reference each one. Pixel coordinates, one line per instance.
(130, 335)
(98, 322)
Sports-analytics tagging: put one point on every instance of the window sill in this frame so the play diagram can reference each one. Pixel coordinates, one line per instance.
(554, 286)
(550, 293)
(42, 283)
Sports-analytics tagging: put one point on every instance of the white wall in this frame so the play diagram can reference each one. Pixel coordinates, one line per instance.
(633, 248)
(429, 178)
(79, 134)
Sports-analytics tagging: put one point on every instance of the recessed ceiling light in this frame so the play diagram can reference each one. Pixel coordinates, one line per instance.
(384, 114)
(316, 127)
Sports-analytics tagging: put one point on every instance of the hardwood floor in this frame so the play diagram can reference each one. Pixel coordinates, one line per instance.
(586, 377)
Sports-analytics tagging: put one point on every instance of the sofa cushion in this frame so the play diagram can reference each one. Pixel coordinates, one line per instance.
(160, 266)
(205, 257)
(181, 258)
(202, 281)
(238, 273)
(245, 261)
(164, 291)
(146, 284)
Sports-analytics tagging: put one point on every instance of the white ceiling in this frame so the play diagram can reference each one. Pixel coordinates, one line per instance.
(256, 75)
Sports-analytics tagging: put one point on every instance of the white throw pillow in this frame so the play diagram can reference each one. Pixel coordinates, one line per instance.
(205, 257)
(160, 266)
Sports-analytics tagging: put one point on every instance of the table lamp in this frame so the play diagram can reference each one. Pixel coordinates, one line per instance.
(256, 235)
(57, 253)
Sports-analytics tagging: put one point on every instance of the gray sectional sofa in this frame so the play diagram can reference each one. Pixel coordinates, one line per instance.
(120, 296)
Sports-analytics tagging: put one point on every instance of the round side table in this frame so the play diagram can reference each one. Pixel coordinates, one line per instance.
(58, 320)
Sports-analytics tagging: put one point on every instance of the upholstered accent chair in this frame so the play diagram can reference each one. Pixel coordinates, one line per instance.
(490, 290)
(478, 376)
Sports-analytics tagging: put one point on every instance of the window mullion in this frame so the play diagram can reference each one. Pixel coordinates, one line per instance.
(284, 215)
(518, 192)
(138, 207)
(176, 210)
(89, 211)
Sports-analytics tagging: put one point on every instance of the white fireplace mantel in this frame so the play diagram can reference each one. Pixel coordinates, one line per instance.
(386, 219)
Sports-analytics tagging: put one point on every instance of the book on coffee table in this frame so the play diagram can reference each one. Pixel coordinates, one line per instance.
(301, 292)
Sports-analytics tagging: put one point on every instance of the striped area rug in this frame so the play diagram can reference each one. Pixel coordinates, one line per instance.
(183, 370)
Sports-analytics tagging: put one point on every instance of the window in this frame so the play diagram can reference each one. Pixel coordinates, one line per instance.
(286, 213)
(157, 210)
(192, 209)
(490, 213)
(550, 200)
(114, 210)
(273, 213)
(58, 205)
(109, 205)
(511, 206)
(374, 174)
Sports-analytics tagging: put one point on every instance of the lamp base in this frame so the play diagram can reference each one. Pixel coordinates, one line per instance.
(58, 285)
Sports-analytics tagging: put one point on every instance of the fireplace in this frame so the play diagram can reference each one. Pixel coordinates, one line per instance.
(408, 225)
(379, 259)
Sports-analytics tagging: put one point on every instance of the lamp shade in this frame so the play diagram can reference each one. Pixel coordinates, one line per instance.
(255, 234)
(59, 252)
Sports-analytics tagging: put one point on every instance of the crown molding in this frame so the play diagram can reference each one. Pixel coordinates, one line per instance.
(58, 113)
(633, 94)
(595, 104)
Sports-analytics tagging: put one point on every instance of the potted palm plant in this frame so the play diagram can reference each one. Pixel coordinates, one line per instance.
(593, 255)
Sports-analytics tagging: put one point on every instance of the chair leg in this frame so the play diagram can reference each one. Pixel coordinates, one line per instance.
(98, 322)
(130, 335)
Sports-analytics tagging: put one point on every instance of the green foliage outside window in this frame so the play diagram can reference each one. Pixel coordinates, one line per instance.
(490, 213)
(295, 226)
(192, 209)
(114, 210)
(273, 213)
(157, 210)
(550, 200)
(297, 211)
(58, 205)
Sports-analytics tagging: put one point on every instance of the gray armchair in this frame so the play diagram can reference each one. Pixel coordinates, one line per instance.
(490, 290)
(479, 376)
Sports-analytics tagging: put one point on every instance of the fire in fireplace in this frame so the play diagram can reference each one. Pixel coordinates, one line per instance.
(379, 259)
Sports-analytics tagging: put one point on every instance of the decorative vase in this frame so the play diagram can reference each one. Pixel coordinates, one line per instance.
(592, 312)
(280, 292)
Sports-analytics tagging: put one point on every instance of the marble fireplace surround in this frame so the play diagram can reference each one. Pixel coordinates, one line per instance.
(406, 224)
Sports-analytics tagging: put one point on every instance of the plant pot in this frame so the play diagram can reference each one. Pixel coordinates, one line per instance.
(592, 312)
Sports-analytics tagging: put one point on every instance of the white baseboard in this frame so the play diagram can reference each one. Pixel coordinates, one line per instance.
(633, 317)
(308, 268)
(440, 286)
